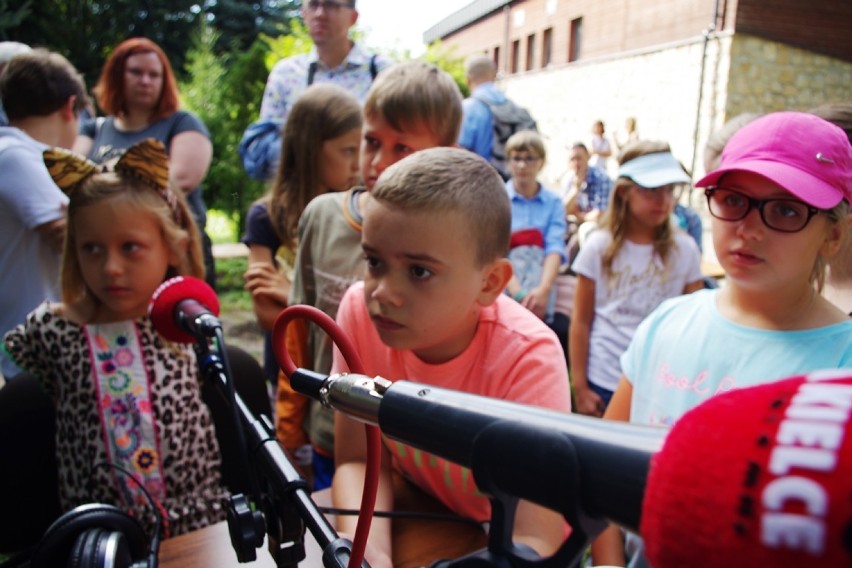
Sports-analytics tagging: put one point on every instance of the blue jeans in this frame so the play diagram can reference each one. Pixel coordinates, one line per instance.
(323, 469)
(605, 394)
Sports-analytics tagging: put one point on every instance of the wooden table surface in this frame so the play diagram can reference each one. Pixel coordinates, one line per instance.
(417, 542)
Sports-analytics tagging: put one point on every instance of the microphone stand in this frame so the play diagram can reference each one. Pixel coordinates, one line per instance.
(284, 504)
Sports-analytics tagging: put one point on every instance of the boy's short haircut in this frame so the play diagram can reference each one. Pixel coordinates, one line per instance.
(38, 83)
(526, 141)
(414, 94)
(480, 68)
(452, 179)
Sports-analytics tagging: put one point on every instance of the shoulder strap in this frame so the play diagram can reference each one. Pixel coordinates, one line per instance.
(483, 100)
(312, 70)
(374, 70)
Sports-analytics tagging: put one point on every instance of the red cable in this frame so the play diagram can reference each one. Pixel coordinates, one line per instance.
(353, 360)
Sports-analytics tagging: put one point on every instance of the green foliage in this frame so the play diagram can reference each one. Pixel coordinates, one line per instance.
(229, 273)
(240, 23)
(296, 42)
(222, 226)
(230, 282)
(226, 91)
(12, 17)
(449, 62)
(85, 31)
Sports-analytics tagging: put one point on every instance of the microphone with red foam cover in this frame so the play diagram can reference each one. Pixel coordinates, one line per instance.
(184, 309)
(760, 476)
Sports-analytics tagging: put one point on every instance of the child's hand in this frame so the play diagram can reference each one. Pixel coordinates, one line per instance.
(536, 301)
(588, 402)
(375, 558)
(264, 281)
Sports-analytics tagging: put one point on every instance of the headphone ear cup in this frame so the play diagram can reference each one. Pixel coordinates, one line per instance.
(100, 548)
(88, 533)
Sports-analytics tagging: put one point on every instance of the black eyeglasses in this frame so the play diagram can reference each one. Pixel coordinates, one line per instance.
(663, 190)
(784, 215)
(524, 160)
(328, 6)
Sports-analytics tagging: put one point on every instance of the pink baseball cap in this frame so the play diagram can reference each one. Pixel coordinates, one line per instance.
(806, 155)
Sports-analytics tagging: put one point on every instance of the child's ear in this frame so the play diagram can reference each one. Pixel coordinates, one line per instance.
(837, 235)
(68, 110)
(495, 277)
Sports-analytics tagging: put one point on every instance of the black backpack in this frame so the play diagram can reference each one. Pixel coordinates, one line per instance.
(507, 118)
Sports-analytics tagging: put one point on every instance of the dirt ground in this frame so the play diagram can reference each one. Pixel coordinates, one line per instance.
(240, 326)
(242, 330)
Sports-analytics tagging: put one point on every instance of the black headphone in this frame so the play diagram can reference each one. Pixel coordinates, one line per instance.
(95, 536)
(99, 536)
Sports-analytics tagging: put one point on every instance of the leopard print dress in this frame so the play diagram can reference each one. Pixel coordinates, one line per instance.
(55, 350)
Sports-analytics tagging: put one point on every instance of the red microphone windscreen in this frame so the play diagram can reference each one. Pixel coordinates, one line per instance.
(164, 301)
(760, 476)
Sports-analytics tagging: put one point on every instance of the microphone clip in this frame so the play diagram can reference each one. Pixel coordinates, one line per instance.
(197, 319)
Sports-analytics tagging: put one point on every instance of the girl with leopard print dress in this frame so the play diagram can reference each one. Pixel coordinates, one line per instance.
(123, 394)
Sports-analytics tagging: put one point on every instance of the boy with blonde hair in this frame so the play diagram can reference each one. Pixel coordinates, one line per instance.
(410, 106)
(431, 309)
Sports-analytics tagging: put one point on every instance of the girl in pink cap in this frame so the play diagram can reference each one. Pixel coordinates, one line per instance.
(779, 203)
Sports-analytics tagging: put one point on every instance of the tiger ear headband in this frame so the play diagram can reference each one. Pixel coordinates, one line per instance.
(145, 161)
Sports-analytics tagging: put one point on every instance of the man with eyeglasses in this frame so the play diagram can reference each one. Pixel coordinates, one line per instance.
(333, 59)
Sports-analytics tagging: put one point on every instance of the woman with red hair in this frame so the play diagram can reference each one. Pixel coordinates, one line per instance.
(138, 92)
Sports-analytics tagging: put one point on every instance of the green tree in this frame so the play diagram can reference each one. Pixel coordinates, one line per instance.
(447, 60)
(86, 31)
(240, 22)
(12, 17)
(296, 42)
(226, 93)
(239, 78)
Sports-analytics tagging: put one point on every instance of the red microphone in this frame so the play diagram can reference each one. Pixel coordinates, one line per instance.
(184, 310)
(760, 476)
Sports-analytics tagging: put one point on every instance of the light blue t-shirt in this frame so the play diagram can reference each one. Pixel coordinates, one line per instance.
(686, 352)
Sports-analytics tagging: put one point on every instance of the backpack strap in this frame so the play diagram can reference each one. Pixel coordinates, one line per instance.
(484, 101)
(312, 70)
(374, 70)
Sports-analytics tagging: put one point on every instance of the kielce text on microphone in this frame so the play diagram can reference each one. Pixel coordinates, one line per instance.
(808, 441)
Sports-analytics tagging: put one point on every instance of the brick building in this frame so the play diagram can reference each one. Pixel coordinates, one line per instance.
(680, 67)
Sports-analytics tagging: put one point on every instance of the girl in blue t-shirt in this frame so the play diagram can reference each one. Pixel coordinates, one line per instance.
(779, 206)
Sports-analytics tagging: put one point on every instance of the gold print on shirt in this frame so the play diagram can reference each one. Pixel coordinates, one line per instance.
(645, 289)
(456, 478)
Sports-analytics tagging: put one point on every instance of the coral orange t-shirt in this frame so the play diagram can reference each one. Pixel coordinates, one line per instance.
(513, 356)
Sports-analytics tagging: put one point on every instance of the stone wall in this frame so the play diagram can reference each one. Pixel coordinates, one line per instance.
(768, 76)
